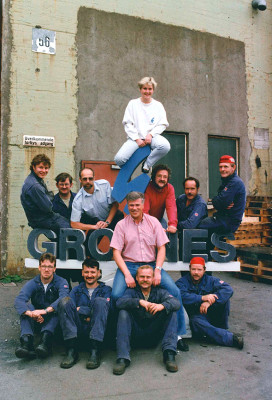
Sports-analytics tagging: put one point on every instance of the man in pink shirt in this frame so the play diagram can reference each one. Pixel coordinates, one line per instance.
(160, 196)
(139, 239)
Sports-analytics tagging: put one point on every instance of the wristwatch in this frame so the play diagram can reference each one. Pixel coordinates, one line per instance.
(159, 268)
(107, 222)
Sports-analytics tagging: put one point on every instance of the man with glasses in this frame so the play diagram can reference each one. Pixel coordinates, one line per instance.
(93, 207)
(36, 305)
(63, 200)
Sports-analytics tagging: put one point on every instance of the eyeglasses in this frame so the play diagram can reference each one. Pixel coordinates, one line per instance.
(87, 179)
(64, 184)
(47, 267)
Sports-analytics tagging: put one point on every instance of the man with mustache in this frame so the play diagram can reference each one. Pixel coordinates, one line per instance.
(93, 207)
(83, 316)
(160, 196)
(206, 300)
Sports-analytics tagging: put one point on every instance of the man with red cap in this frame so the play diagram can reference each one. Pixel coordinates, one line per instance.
(230, 201)
(206, 300)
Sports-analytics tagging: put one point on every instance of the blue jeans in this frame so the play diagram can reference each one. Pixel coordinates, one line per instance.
(145, 332)
(29, 326)
(167, 283)
(73, 326)
(214, 324)
(159, 148)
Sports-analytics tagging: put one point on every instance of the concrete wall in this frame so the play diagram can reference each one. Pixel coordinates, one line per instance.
(41, 91)
(201, 82)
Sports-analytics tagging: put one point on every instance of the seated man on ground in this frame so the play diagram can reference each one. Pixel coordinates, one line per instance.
(160, 196)
(230, 201)
(44, 291)
(93, 207)
(147, 314)
(37, 200)
(83, 316)
(139, 239)
(144, 121)
(206, 300)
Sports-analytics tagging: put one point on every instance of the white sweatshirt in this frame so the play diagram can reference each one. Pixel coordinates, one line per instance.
(141, 119)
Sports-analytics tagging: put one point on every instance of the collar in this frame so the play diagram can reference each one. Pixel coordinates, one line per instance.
(225, 180)
(139, 221)
(86, 194)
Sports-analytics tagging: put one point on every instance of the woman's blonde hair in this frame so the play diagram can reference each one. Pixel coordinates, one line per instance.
(147, 80)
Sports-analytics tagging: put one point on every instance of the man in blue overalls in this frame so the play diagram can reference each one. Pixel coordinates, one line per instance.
(44, 291)
(206, 300)
(83, 316)
(229, 202)
(147, 314)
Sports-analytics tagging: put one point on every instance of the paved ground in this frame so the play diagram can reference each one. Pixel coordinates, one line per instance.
(205, 372)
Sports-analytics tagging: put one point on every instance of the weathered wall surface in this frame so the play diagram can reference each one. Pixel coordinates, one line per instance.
(42, 96)
(201, 82)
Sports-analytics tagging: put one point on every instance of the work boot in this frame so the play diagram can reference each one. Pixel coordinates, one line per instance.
(94, 358)
(182, 345)
(169, 360)
(26, 348)
(238, 341)
(71, 356)
(45, 346)
(120, 366)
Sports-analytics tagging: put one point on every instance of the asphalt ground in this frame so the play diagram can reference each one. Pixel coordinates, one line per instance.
(205, 372)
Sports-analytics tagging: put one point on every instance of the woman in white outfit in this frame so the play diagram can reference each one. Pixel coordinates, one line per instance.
(144, 121)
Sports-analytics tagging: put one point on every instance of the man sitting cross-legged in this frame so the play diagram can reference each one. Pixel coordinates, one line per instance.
(83, 316)
(147, 314)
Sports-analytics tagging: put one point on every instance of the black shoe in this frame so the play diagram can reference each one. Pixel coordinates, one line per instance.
(93, 360)
(26, 349)
(145, 170)
(182, 345)
(45, 346)
(238, 341)
(169, 360)
(70, 359)
(120, 366)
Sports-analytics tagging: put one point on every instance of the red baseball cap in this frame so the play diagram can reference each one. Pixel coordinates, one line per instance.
(198, 260)
(227, 159)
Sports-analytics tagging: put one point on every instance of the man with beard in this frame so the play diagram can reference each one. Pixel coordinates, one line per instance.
(206, 300)
(160, 196)
(93, 207)
(83, 316)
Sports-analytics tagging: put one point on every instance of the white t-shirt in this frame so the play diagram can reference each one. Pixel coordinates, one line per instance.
(141, 119)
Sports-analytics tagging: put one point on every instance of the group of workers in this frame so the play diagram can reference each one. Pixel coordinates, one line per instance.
(144, 300)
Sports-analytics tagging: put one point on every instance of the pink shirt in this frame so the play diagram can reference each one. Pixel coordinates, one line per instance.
(138, 242)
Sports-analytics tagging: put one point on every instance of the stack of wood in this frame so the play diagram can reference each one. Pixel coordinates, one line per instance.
(256, 227)
(253, 239)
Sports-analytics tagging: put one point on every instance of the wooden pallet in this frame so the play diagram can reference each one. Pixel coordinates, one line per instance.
(257, 270)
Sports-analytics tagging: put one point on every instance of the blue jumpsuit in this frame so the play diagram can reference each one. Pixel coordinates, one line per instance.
(214, 324)
(37, 203)
(60, 207)
(91, 318)
(137, 325)
(232, 190)
(34, 290)
(189, 217)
